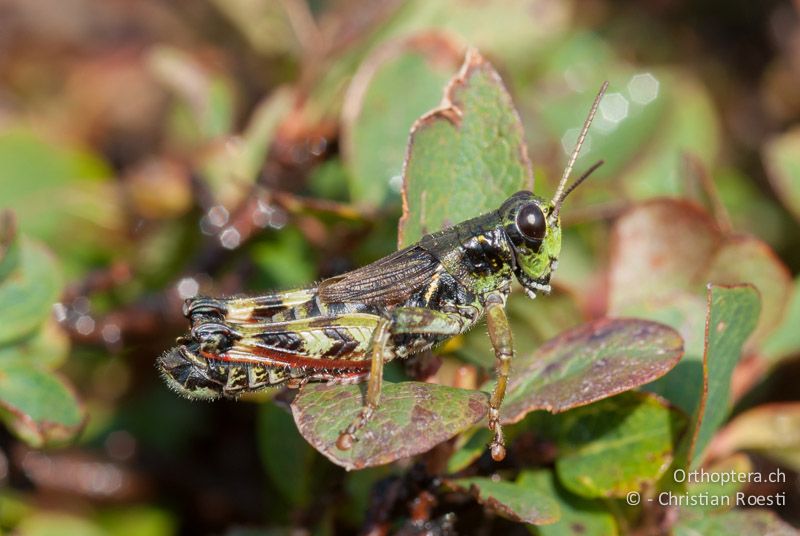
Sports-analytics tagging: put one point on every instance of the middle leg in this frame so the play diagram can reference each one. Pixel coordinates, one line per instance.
(500, 336)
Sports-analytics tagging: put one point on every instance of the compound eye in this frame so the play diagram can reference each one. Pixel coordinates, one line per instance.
(531, 222)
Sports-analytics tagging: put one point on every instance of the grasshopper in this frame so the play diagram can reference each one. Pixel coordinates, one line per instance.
(344, 329)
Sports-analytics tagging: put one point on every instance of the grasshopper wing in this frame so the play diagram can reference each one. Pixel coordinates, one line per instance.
(388, 281)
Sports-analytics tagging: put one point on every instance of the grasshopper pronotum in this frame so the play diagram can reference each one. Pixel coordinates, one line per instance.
(345, 328)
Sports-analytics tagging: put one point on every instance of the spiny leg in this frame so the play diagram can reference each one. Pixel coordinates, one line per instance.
(500, 335)
(405, 320)
(380, 339)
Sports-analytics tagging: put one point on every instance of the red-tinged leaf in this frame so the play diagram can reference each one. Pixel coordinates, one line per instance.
(686, 312)
(746, 259)
(659, 247)
(37, 405)
(412, 418)
(588, 363)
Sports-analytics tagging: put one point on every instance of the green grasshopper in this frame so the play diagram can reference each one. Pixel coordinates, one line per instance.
(344, 329)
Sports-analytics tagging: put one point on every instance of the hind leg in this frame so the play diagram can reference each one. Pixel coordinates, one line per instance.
(378, 353)
(405, 320)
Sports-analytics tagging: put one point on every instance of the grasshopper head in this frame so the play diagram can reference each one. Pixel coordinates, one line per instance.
(533, 225)
(534, 230)
(187, 372)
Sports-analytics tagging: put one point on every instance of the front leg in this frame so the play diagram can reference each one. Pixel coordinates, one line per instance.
(404, 320)
(500, 335)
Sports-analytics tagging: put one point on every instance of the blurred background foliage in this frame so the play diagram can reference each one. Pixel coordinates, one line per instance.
(152, 150)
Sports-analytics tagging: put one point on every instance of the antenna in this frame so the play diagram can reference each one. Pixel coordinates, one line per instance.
(582, 178)
(560, 194)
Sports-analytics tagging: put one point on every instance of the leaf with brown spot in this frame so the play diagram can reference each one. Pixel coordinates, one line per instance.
(732, 316)
(588, 363)
(412, 418)
(466, 157)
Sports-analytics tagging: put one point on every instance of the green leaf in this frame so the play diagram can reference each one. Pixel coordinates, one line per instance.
(782, 161)
(690, 123)
(514, 31)
(284, 262)
(62, 195)
(37, 405)
(48, 523)
(138, 520)
(628, 118)
(734, 523)
(466, 157)
(700, 383)
(686, 312)
(718, 490)
(785, 340)
(266, 25)
(286, 457)
(9, 245)
(468, 448)
(232, 167)
(579, 516)
(615, 446)
(27, 295)
(395, 85)
(746, 259)
(206, 98)
(658, 247)
(772, 430)
(518, 501)
(732, 316)
(588, 363)
(412, 418)
(47, 348)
